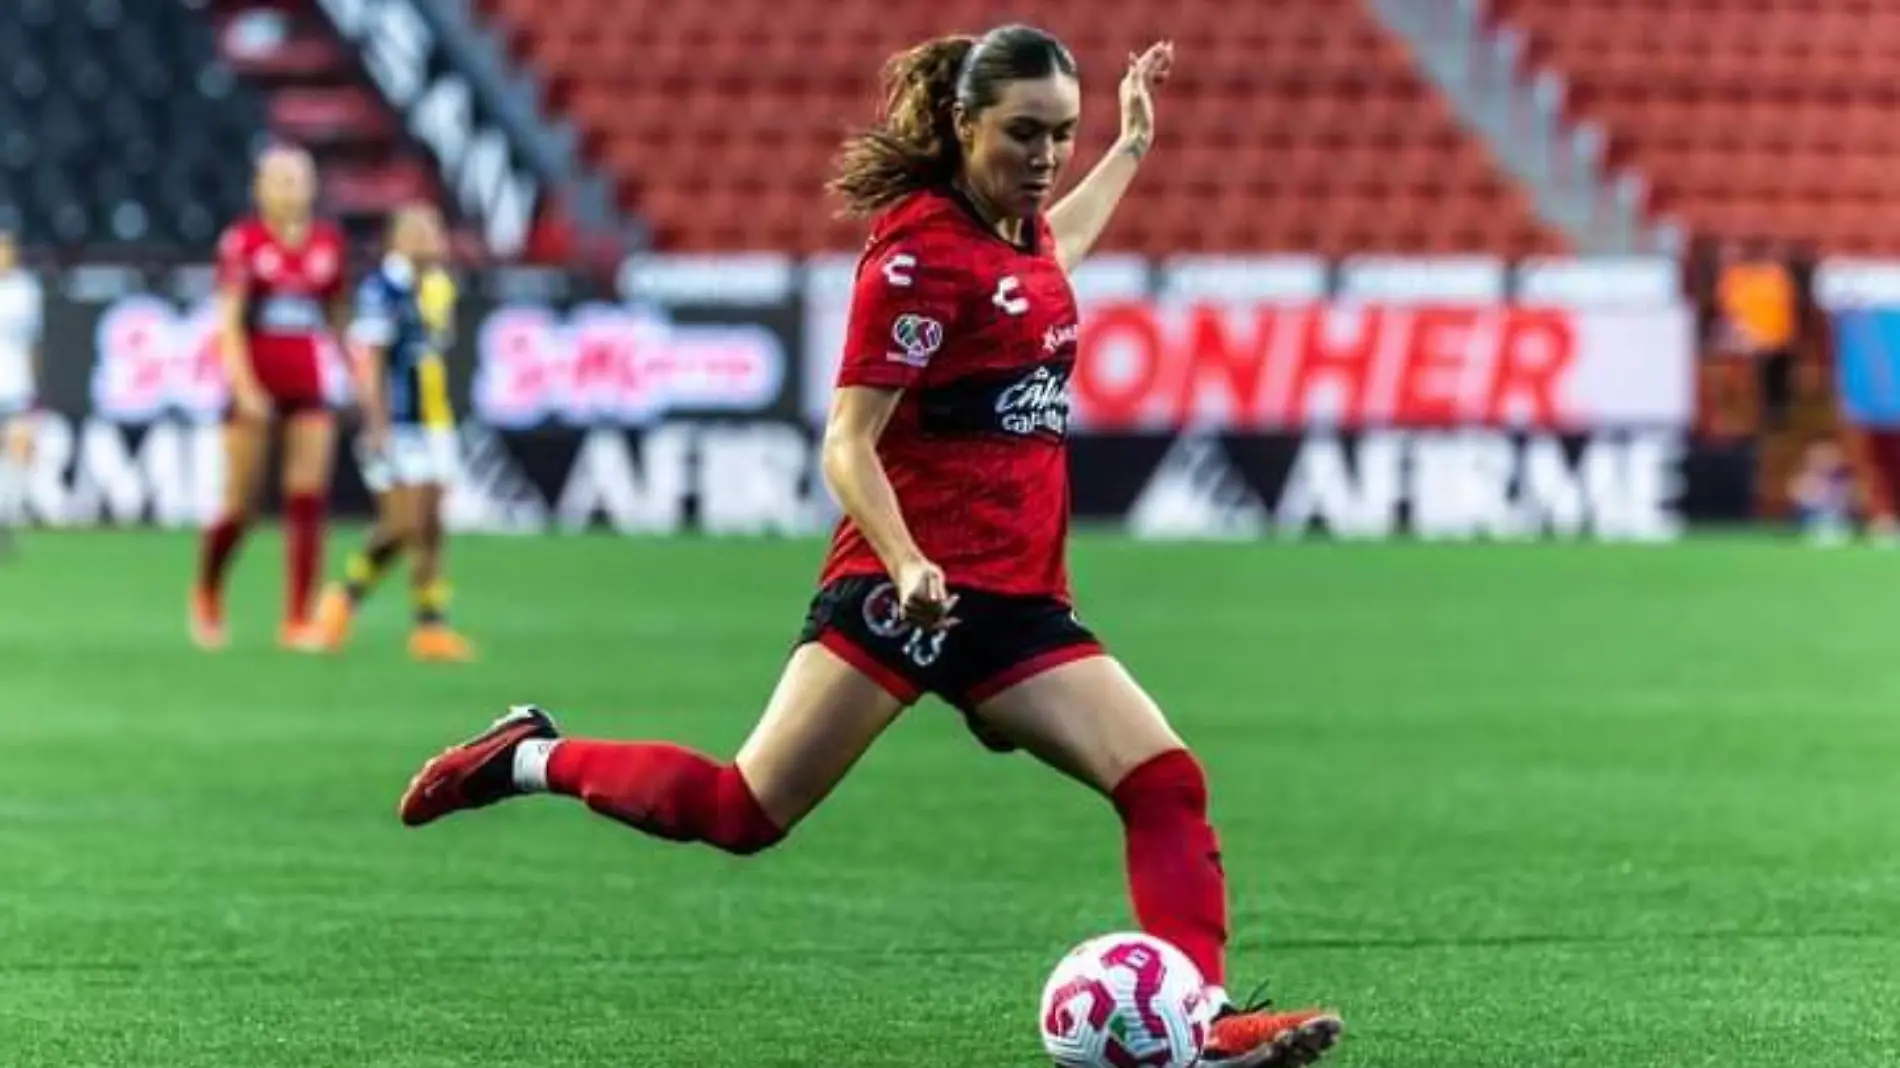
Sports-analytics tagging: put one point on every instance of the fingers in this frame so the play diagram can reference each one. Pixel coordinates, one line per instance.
(1152, 66)
(930, 603)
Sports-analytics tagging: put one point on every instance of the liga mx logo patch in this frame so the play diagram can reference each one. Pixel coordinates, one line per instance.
(917, 337)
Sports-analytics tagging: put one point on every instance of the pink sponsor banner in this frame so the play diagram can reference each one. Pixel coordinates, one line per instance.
(617, 364)
(153, 357)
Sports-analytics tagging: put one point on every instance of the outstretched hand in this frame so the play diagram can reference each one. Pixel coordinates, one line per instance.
(1145, 73)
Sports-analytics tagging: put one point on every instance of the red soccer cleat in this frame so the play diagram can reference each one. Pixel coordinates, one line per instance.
(475, 774)
(298, 637)
(206, 620)
(1257, 1038)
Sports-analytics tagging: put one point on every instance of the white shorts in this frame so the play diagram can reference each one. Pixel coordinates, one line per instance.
(413, 456)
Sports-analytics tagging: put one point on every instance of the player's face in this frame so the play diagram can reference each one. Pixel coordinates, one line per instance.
(1017, 147)
(421, 237)
(286, 185)
(435, 238)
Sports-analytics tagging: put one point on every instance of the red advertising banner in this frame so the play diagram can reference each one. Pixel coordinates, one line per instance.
(1267, 366)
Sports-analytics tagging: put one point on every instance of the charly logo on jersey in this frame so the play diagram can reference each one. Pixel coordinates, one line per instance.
(1037, 403)
(1008, 295)
(321, 265)
(917, 338)
(897, 269)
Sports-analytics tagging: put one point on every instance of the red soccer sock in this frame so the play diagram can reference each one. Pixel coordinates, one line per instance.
(216, 547)
(303, 547)
(1173, 857)
(665, 790)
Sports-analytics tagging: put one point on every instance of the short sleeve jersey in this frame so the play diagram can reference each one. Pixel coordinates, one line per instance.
(287, 288)
(389, 314)
(979, 333)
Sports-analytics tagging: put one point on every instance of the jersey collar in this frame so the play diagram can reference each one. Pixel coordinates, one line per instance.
(1031, 226)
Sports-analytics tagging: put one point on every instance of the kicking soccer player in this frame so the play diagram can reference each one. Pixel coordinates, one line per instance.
(946, 446)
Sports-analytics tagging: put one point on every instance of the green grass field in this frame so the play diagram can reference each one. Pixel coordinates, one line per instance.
(1528, 806)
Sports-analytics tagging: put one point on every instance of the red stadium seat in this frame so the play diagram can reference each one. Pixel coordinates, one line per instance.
(1301, 124)
(1772, 117)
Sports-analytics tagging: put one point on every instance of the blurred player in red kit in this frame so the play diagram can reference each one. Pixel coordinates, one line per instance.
(946, 446)
(282, 301)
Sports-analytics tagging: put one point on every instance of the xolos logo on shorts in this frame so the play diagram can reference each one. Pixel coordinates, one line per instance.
(884, 617)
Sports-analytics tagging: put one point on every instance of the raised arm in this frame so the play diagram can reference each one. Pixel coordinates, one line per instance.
(1079, 219)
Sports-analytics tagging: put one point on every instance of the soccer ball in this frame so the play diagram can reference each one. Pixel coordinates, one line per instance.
(1122, 1001)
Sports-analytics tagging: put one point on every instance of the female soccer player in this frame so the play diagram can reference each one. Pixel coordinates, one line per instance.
(403, 318)
(945, 446)
(282, 301)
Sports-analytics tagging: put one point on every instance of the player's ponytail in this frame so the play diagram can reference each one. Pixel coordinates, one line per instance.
(914, 146)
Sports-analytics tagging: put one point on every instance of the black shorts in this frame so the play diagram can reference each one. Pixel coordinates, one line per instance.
(999, 641)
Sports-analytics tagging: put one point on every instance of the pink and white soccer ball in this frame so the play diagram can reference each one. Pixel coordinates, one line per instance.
(1125, 1000)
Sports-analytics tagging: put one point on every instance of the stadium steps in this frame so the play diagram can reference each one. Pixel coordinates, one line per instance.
(318, 97)
(1559, 158)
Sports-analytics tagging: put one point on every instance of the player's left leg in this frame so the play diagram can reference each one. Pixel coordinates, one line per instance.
(433, 638)
(1090, 719)
(309, 444)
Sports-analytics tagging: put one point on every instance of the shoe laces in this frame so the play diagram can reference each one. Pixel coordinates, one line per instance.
(1255, 1002)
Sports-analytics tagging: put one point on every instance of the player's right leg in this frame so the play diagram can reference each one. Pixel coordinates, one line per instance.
(245, 443)
(365, 568)
(823, 715)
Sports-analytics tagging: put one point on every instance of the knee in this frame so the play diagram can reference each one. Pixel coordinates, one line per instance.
(751, 847)
(747, 829)
(1173, 781)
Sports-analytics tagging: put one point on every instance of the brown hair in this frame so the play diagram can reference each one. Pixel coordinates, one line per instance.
(914, 146)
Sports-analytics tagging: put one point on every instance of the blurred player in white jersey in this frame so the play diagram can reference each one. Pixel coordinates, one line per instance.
(20, 315)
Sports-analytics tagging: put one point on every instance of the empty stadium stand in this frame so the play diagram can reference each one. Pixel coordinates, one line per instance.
(315, 95)
(1296, 124)
(118, 125)
(1765, 118)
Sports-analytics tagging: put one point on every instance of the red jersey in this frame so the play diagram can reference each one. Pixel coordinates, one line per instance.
(288, 290)
(980, 334)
